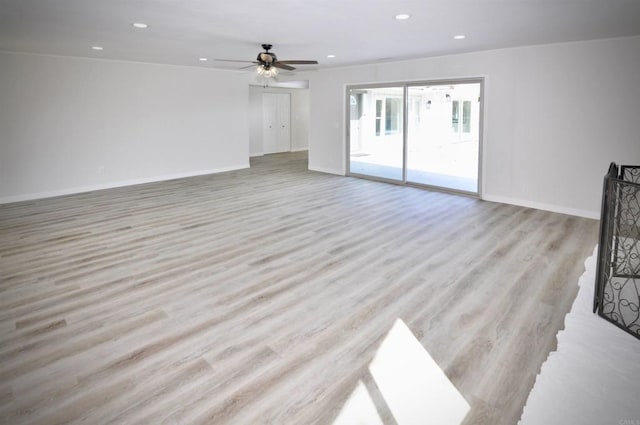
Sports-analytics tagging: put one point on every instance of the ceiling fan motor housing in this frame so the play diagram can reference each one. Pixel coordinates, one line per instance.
(266, 58)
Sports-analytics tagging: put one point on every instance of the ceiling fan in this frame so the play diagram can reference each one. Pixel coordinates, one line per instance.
(268, 60)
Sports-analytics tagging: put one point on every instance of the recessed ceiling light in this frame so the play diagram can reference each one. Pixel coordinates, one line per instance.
(459, 37)
(331, 56)
(402, 16)
(140, 25)
(203, 59)
(96, 47)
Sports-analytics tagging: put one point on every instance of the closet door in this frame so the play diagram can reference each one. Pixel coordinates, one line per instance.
(284, 122)
(276, 122)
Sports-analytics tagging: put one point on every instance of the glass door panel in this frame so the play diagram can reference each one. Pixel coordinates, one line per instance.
(443, 135)
(376, 132)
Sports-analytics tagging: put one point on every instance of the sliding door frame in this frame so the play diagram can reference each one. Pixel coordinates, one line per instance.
(405, 124)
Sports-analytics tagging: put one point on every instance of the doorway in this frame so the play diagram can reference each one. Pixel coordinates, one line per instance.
(424, 134)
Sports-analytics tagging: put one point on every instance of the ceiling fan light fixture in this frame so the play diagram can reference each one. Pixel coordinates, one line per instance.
(267, 71)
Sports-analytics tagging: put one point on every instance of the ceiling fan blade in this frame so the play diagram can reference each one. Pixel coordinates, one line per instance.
(248, 66)
(299, 62)
(232, 60)
(283, 66)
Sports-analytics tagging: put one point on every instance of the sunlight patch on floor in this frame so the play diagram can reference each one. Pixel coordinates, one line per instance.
(412, 385)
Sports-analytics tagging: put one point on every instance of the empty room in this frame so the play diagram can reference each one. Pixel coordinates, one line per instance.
(336, 212)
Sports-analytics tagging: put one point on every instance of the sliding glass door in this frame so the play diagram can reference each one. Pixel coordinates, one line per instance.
(376, 132)
(444, 135)
(425, 134)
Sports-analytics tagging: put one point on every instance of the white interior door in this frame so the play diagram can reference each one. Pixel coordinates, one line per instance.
(276, 122)
(284, 121)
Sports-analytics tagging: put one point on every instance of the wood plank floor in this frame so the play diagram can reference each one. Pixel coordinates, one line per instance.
(261, 296)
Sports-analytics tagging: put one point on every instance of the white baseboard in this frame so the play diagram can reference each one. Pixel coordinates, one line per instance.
(542, 206)
(291, 150)
(132, 182)
(326, 170)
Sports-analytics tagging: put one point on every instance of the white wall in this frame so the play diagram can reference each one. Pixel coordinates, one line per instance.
(73, 124)
(555, 116)
(299, 117)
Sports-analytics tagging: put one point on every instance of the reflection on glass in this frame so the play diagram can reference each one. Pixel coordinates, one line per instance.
(455, 110)
(393, 115)
(443, 136)
(376, 135)
(466, 116)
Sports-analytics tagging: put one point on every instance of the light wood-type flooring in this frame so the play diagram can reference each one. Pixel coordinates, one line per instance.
(260, 296)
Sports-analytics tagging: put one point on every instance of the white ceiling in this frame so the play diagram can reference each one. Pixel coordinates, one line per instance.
(356, 31)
